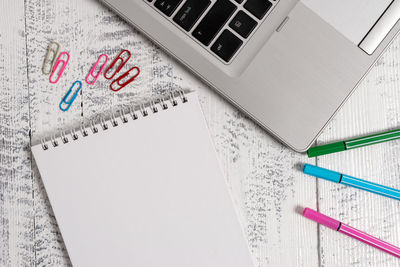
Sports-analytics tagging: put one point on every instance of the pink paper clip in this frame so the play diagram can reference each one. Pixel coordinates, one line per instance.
(90, 74)
(116, 60)
(61, 71)
(123, 76)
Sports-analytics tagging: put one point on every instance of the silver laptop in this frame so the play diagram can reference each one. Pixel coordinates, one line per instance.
(288, 64)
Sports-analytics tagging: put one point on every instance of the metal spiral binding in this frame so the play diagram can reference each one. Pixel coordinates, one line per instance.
(153, 107)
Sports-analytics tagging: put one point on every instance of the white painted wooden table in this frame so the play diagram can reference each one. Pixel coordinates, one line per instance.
(262, 173)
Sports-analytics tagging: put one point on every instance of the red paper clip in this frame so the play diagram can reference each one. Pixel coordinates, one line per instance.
(58, 62)
(118, 58)
(123, 76)
(90, 74)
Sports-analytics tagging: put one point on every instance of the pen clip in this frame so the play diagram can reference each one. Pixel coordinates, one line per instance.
(95, 77)
(119, 58)
(123, 76)
(61, 71)
(70, 101)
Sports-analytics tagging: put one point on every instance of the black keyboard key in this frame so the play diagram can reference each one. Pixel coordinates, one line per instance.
(213, 21)
(243, 24)
(191, 11)
(258, 7)
(167, 6)
(226, 45)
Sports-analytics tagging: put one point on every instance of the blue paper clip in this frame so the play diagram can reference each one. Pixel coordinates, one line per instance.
(69, 102)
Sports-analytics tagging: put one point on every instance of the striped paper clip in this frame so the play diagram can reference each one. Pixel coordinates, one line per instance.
(119, 58)
(69, 102)
(63, 66)
(50, 58)
(92, 76)
(121, 84)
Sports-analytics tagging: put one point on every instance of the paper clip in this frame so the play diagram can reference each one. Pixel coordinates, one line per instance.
(123, 76)
(70, 101)
(118, 58)
(50, 58)
(90, 74)
(58, 62)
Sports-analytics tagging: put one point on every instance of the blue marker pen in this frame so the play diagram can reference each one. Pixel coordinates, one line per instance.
(340, 178)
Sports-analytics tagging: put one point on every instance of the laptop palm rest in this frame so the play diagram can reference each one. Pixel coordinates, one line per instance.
(309, 69)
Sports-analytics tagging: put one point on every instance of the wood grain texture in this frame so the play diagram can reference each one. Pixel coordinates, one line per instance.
(374, 107)
(16, 202)
(263, 175)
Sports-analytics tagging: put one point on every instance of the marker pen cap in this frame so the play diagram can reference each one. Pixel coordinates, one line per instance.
(326, 149)
(322, 173)
(321, 218)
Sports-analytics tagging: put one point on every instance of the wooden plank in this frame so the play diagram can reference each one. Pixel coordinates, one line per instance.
(47, 21)
(16, 204)
(374, 107)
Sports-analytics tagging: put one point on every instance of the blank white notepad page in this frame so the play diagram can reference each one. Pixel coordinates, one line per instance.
(146, 193)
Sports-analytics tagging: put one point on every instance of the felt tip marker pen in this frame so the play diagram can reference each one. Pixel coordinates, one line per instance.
(348, 180)
(351, 231)
(354, 143)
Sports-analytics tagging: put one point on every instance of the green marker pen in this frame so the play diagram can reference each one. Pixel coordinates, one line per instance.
(354, 143)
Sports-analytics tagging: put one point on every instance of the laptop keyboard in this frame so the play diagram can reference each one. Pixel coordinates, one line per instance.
(221, 26)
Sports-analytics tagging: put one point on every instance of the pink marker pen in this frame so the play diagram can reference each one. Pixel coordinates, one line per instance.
(350, 231)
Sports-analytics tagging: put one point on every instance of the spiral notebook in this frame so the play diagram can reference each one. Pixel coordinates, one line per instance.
(144, 189)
